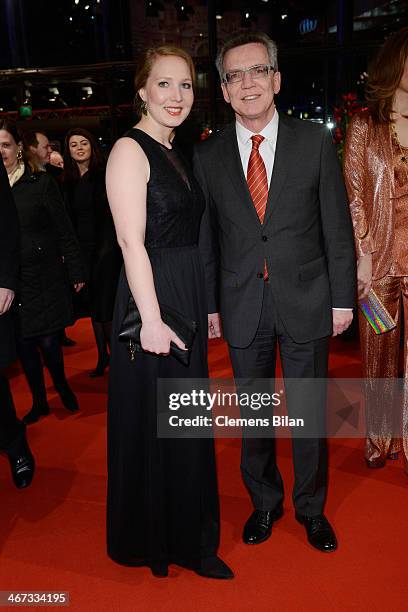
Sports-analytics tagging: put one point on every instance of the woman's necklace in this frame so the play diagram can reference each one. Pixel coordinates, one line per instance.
(403, 150)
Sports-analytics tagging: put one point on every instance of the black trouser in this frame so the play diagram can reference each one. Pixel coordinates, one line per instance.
(11, 429)
(29, 352)
(258, 460)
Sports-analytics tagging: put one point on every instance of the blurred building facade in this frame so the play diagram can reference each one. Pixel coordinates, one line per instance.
(73, 61)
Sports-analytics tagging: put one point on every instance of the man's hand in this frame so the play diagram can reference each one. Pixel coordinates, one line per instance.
(364, 275)
(214, 325)
(78, 286)
(6, 299)
(341, 321)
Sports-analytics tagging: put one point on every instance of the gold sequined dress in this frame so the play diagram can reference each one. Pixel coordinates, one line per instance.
(385, 234)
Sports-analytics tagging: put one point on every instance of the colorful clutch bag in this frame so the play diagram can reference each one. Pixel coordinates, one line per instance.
(376, 314)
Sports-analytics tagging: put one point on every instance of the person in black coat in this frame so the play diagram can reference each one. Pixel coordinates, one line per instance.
(83, 184)
(12, 431)
(44, 305)
(38, 152)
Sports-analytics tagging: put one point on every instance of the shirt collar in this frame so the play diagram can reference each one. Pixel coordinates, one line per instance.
(16, 174)
(269, 132)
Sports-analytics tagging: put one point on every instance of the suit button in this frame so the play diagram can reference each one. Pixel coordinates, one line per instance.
(260, 275)
(264, 238)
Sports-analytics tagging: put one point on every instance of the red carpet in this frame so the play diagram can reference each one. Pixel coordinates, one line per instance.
(52, 535)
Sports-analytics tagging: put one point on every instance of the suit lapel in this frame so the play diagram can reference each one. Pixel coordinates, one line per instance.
(232, 162)
(284, 156)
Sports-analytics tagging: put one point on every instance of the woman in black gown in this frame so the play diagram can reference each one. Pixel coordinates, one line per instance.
(83, 182)
(162, 493)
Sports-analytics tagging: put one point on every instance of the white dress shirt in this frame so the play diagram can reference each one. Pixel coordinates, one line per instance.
(267, 150)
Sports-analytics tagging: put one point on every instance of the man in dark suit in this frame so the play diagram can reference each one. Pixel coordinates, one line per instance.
(278, 249)
(12, 431)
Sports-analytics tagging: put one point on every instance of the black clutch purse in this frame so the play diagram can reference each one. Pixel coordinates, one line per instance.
(132, 324)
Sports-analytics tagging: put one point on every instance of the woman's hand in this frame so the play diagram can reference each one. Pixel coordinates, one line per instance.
(155, 337)
(78, 286)
(6, 299)
(364, 275)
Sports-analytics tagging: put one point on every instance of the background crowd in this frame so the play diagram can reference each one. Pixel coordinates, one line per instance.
(69, 259)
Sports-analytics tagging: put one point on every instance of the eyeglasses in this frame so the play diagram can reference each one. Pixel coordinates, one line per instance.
(260, 71)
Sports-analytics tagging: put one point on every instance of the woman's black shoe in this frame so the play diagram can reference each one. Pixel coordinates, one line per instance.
(100, 367)
(213, 567)
(68, 398)
(37, 411)
(65, 341)
(378, 462)
(160, 570)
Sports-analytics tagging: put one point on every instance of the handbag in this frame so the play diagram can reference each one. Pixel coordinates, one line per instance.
(184, 328)
(376, 313)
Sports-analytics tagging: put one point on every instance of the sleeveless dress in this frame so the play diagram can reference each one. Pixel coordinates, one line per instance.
(162, 504)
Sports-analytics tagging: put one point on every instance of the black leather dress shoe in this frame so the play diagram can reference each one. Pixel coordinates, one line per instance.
(258, 527)
(37, 411)
(319, 532)
(22, 464)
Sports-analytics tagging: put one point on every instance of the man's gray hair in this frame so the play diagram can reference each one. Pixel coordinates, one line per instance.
(245, 38)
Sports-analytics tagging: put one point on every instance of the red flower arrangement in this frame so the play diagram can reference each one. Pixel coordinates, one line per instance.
(342, 116)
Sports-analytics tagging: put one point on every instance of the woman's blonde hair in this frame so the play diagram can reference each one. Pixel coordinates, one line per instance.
(146, 65)
(385, 75)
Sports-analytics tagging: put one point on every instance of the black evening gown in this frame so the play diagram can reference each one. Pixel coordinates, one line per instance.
(162, 502)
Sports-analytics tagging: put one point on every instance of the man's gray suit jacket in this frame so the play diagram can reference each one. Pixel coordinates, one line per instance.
(306, 238)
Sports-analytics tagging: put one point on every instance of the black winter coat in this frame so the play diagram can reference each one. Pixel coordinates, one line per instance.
(9, 233)
(87, 205)
(49, 250)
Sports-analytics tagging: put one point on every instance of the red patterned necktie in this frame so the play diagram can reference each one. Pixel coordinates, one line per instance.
(258, 182)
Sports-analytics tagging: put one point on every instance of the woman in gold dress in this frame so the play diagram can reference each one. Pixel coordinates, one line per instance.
(376, 173)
